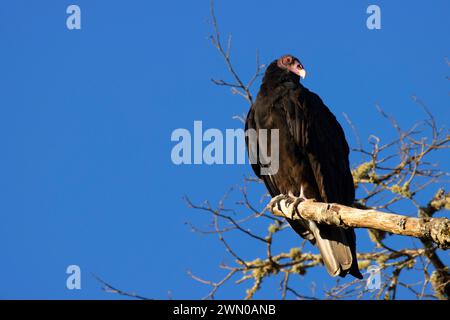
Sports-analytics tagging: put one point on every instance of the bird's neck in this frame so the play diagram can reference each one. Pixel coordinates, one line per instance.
(276, 77)
(285, 81)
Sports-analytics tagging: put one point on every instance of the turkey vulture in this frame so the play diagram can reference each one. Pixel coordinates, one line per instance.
(313, 157)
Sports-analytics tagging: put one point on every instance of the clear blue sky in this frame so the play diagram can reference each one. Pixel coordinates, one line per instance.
(86, 118)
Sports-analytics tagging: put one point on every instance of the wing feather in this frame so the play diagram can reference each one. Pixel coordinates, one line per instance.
(317, 132)
(252, 152)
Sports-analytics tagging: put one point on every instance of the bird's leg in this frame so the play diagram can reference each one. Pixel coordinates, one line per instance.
(301, 198)
(290, 198)
(291, 202)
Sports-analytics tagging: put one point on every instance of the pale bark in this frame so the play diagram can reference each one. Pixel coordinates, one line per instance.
(434, 229)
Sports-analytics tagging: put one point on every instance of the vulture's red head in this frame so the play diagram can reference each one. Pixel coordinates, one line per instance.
(291, 64)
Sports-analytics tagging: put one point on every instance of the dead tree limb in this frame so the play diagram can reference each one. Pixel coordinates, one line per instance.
(433, 229)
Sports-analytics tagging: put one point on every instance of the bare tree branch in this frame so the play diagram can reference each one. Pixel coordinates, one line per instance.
(434, 229)
(110, 289)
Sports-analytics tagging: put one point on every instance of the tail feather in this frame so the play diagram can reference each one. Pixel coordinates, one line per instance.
(337, 248)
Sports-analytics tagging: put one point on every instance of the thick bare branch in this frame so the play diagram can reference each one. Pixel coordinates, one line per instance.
(434, 229)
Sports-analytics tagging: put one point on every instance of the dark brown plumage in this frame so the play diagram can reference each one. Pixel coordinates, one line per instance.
(313, 157)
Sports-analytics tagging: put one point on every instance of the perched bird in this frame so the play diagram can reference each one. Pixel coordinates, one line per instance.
(313, 157)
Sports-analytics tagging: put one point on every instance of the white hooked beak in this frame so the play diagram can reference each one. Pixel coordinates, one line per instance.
(302, 73)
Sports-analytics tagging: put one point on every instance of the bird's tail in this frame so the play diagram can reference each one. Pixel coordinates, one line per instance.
(338, 249)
